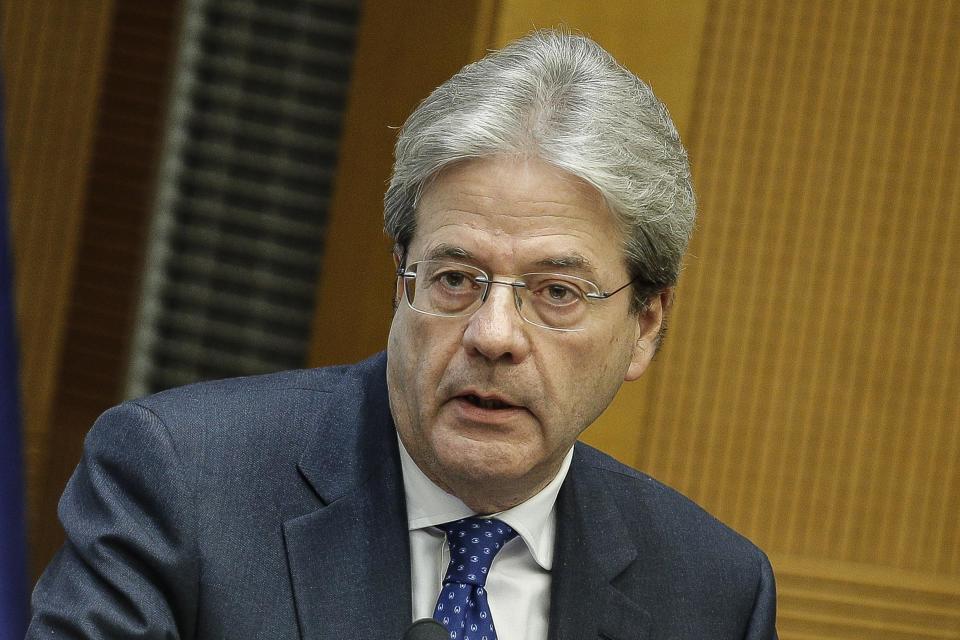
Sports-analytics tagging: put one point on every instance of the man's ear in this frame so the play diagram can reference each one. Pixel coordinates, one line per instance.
(649, 322)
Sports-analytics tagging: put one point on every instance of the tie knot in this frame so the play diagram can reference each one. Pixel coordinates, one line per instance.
(473, 544)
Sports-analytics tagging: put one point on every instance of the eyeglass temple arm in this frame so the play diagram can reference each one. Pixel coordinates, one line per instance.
(606, 294)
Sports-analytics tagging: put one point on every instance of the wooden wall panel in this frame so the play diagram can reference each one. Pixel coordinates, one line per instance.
(86, 90)
(806, 387)
(52, 54)
(819, 599)
(112, 240)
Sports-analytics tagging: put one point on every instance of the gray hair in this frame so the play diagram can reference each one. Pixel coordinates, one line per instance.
(564, 99)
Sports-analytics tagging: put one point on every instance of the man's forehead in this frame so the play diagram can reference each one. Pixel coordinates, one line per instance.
(529, 180)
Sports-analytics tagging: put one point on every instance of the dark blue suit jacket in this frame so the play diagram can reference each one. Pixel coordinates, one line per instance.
(273, 507)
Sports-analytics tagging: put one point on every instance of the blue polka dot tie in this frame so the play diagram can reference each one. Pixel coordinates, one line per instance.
(462, 606)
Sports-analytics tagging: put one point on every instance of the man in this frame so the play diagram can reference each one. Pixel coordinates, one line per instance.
(540, 204)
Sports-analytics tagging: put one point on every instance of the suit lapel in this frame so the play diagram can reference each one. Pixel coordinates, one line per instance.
(350, 568)
(350, 560)
(593, 547)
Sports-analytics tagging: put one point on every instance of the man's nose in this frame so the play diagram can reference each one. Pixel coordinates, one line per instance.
(496, 330)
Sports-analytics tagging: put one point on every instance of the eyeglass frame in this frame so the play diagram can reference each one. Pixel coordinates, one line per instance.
(487, 281)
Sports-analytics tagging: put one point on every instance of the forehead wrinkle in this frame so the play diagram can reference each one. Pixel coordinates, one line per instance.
(487, 203)
(561, 258)
(535, 203)
(443, 201)
(545, 225)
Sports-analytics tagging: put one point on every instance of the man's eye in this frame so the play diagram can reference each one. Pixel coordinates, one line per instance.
(559, 293)
(453, 279)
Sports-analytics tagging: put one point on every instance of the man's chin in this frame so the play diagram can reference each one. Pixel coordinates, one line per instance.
(475, 468)
(495, 455)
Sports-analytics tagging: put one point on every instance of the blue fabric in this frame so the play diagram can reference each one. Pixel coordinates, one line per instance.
(462, 606)
(13, 571)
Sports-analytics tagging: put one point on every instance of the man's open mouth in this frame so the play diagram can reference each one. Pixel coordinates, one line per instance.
(487, 403)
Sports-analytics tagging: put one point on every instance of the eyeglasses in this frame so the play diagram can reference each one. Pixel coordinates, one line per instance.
(549, 300)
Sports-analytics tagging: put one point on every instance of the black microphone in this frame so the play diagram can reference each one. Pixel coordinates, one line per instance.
(426, 629)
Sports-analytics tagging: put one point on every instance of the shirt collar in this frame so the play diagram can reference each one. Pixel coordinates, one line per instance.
(534, 520)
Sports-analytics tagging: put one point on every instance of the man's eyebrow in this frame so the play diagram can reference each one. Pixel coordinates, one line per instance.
(444, 250)
(570, 261)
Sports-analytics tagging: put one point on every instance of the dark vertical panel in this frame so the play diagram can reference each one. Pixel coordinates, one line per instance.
(243, 193)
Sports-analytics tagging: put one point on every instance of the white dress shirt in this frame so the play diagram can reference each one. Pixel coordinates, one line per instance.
(518, 585)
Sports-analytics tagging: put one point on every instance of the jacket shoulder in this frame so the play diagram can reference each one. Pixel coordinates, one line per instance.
(668, 517)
